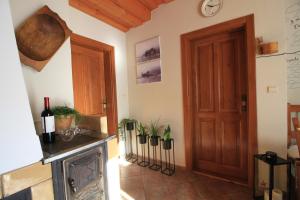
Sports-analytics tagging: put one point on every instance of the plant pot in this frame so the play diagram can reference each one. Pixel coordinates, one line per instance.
(63, 123)
(154, 140)
(129, 126)
(142, 139)
(167, 144)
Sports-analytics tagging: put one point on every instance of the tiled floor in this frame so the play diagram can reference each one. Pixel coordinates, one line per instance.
(138, 183)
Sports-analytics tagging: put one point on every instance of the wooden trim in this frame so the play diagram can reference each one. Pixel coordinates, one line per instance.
(295, 133)
(135, 8)
(245, 23)
(116, 13)
(110, 81)
(43, 191)
(220, 178)
(252, 108)
(112, 149)
(1, 187)
(86, 8)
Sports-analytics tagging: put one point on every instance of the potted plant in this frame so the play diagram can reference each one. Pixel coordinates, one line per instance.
(121, 130)
(129, 123)
(64, 117)
(154, 133)
(167, 138)
(142, 133)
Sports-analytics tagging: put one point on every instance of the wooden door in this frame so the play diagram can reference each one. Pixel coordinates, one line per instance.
(88, 80)
(219, 87)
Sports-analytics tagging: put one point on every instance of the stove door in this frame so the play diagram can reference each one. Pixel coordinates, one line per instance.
(83, 176)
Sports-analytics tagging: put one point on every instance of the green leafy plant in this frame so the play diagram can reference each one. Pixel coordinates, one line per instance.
(121, 130)
(142, 129)
(154, 128)
(127, 120)
(167, 133)
(128, 124)
(65, 111)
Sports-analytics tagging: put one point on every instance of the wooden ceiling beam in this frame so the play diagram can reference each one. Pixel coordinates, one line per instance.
(116, 12)
(159, 2)
(121, 14)
(92, 11)
(136, 8)
(151, 4)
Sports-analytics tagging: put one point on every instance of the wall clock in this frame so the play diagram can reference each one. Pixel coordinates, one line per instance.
(210, 8)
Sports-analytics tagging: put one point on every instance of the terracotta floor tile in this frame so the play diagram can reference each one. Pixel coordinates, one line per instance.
(140, 183)
(129, 171)
(131, 183)
(156, 192)
(133, 194)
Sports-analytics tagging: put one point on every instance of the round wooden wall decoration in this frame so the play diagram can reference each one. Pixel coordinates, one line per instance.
(40, 36)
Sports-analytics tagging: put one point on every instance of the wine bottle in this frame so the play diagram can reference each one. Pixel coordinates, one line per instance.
(48, 124)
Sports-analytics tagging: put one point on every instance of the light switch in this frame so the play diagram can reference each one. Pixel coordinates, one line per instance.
(271, 89)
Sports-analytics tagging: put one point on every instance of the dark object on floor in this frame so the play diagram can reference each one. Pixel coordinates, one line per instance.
(168, 168)
(271, 156)
(156, 164)
(142, 139)
(167, 144)
(279, 161)
(295, 183)
(142, 160)
(129, 128)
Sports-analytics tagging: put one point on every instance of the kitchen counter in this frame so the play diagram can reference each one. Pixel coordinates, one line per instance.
(63, 147)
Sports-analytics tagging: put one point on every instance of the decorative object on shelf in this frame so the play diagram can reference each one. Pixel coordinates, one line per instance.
(40, 36)
(148, 61)
(155, 141)
(168, 145)
(263, 48)
(142, 139)
(269, 48)
(129, 127)
(258, 42)
(47, 119)
(210, 8)
(64, 117)
(272, 160)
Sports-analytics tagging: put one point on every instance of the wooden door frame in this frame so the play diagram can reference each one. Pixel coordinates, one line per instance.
(245, 23)
(109, 68)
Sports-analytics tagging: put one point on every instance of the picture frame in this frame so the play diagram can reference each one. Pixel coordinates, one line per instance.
(148, 61)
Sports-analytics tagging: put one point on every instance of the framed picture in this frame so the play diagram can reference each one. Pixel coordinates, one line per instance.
(148, 61)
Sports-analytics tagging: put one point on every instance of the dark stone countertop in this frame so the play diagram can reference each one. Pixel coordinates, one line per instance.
(62, 147)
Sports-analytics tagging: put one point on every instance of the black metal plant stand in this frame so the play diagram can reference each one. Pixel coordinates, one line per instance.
(128, 129)
(279, 161)
(154, 143)
(144, 143)
(168, 168)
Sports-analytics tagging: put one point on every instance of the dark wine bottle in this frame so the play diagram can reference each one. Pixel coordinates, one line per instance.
(48, 124)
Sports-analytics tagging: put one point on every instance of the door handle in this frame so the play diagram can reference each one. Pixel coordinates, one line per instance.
(104, 105)
(244, 103)
(72, 184)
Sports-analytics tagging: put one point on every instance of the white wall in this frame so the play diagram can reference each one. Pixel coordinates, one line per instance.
(55, 80)
(20, 145)
(292, 13)
(164, 100)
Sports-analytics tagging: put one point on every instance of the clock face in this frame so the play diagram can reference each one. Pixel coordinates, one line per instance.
(211, 7)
